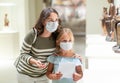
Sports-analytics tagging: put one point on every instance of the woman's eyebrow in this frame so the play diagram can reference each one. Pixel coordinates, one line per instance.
(51, 18)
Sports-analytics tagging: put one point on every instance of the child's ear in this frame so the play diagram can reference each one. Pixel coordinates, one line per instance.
(57, 42)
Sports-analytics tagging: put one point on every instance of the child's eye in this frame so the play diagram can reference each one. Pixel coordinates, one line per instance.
(66, 40)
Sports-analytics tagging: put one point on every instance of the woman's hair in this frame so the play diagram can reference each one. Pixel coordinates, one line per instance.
(43, 16)
(61, 35)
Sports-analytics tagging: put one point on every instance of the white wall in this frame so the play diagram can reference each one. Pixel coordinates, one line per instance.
(94, 13)
(35, 7)
(27, 12)
(21, 19)
(32, 13)
(39, 6)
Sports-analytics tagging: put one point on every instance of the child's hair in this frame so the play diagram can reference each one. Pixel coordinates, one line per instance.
(62, 33)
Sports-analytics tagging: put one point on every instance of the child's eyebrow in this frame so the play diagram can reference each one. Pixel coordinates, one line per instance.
(67, 40)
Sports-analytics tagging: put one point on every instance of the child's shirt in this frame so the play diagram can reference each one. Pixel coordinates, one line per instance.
(56, 60)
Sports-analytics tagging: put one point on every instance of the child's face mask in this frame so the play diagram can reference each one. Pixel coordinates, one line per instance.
(52, 26)
(66, 45)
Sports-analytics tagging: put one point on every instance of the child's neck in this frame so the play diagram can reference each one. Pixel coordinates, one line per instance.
(67, 54)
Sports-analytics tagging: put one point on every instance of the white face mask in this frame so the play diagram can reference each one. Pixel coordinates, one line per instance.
(52, 26)
(66, 45)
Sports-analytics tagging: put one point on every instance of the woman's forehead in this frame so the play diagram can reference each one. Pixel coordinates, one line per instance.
(53, 15)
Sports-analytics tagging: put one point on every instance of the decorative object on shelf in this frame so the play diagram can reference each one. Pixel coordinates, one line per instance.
(8, 16)
(108, 28)
(105, 13)
(108, 21)
(112, 15)
(110, 1)
(6, 20)
(116, 48)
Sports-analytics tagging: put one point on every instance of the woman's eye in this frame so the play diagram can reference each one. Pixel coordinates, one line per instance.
(52, 20)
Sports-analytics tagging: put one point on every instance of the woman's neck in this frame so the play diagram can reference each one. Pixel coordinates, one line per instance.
(46, 34)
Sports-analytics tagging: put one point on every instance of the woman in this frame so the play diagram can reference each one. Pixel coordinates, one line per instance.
(38, 44)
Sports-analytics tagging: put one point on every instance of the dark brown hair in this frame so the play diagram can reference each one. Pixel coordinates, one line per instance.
(43, 16)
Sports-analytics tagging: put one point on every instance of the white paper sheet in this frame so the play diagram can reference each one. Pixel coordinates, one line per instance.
(67, 69)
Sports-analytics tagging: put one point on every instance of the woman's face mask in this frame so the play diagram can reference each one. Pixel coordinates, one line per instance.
(52, 26)
(66, 45)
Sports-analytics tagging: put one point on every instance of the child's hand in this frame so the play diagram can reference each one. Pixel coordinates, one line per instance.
(77, 76)
(56, 76)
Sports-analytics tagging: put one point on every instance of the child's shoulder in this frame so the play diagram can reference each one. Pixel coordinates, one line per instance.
(53, 58)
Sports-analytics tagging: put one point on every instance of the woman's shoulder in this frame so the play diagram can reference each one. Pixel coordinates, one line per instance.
(30, 35)
(32, 32)
(78, 56)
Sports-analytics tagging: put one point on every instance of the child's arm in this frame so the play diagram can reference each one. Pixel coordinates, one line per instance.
(79, 73)
(52, 76)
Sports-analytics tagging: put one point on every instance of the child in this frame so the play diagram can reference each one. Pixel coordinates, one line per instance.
(64, 54)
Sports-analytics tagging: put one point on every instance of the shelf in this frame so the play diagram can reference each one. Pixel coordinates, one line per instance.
(5, 31)
(9, 44)
(98, 47)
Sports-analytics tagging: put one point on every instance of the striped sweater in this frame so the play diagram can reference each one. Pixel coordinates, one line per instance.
(39, 50)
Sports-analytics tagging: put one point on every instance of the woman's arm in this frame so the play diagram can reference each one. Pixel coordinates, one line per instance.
(27, 45)
(79, 57)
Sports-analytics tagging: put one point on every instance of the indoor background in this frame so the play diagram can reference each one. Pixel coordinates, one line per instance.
(100, 63)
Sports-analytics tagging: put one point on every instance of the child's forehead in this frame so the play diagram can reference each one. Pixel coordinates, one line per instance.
(66, 36)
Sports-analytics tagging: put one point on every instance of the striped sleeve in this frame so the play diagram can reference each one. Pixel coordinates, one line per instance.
(26, 47)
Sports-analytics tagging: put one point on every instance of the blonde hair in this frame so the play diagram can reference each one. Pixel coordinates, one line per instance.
(61, 35)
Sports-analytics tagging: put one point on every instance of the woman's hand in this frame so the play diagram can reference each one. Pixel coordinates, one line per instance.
(78, 56)
(37, 63)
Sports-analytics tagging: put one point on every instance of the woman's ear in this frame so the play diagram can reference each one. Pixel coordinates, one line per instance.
(44, 22)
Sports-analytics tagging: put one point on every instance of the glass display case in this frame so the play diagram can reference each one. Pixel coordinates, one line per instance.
(9, 29)
(8, 17)
(72, 14)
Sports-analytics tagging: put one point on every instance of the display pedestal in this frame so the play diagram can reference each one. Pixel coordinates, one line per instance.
(99, 49)
(9, 44)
